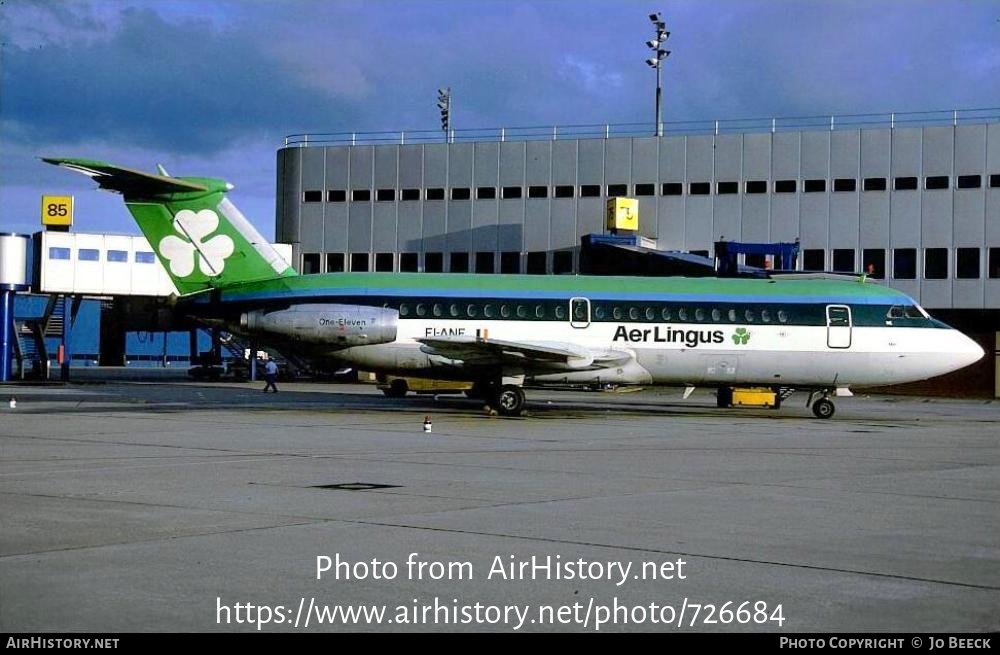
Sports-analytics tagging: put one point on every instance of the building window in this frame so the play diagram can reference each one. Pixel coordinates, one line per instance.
(617, 190)
(459, 262)
(785, 186)
(486, 193)
(936, 263)
(312, 196)
(645, 189)
(538, 192)
(904, 184)
(904, 263)
(590, 191)
(118, 256)
(970, 181)
(874, 262)
(334, 262)
(843, 260)
(310, 263)
(562, 262)
(461, 193)
(725, 188)
(936, 182)
(756, 186)
(384, 262)
(510, 262)
(874, 184)
(385, 195)
(436, 193)
(485, 262)
(361, 195)
(359, 261)
(141, 257)
(89, 255)
(994, 181)
(845, 184)
(699, 188)
(564, 191)
(536, 264)
(336, 195)
(409, 262)
(814, 260)
(407, 195)
(511, 192)
(967, 263)
(993, 263)
(433, 262)
(672, 188)
(813, 186)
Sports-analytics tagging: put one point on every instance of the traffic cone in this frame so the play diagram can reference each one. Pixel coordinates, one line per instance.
(427, 424)
(13, 402)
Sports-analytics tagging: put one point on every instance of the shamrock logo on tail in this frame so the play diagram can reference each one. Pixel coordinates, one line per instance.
(741, 337)
(192, 246)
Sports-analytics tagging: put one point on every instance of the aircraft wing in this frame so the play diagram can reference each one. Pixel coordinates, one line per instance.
(475, 352)
(126, 180)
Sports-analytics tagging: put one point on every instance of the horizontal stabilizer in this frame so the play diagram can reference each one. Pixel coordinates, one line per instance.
(128, 182)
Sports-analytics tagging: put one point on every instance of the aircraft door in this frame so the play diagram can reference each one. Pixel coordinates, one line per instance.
(579, 312)
(838, 326)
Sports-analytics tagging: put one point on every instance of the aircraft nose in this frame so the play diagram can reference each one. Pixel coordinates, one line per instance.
(968, 351)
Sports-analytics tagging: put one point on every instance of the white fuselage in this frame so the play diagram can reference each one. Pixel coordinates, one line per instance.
(696, 353)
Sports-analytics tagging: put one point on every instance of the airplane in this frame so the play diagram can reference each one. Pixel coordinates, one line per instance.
(783, 332)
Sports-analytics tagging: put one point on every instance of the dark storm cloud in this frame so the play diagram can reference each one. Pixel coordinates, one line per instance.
(182, 86)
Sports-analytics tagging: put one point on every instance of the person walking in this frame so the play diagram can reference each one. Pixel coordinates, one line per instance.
(271, 375)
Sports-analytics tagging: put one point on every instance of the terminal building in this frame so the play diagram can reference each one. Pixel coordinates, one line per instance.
(912, 198)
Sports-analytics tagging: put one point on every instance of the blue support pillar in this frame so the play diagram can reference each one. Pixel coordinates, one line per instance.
(67, 356)
(6, 334)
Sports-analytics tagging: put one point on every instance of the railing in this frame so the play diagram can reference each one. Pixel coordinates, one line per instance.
(676, 128)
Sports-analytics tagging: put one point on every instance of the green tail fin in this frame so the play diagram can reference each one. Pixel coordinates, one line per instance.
(201, 238)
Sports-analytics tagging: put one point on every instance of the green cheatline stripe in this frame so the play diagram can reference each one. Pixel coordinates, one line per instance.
(501, 284)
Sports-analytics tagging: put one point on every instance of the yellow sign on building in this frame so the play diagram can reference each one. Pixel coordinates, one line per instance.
(57, 210)
(623, 214)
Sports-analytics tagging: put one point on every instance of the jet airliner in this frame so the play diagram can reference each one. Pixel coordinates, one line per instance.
(785, 332)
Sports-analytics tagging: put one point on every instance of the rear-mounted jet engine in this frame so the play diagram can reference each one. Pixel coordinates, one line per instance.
(337, 325)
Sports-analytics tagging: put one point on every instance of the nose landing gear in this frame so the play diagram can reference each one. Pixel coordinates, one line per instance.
(822, 407)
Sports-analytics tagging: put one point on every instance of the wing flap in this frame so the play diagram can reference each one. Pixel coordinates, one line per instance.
(474, 351)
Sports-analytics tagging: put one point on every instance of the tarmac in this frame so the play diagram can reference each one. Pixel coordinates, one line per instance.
(171, 506)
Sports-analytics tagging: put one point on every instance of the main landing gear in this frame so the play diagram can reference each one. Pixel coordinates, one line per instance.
(506, 399)
(822, 407)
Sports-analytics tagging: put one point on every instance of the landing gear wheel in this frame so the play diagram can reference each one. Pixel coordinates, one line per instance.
(510, 400)
(397, 389)
(823, 408)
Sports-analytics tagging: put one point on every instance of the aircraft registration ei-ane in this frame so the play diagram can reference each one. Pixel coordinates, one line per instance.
(783, 333)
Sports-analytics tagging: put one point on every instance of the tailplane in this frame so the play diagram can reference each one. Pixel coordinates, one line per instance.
(200, 237)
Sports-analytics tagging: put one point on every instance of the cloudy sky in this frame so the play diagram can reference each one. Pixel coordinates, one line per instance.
(212, 87)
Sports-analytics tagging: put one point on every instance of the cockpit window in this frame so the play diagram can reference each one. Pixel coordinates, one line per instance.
(896, 311)
(914, 311)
